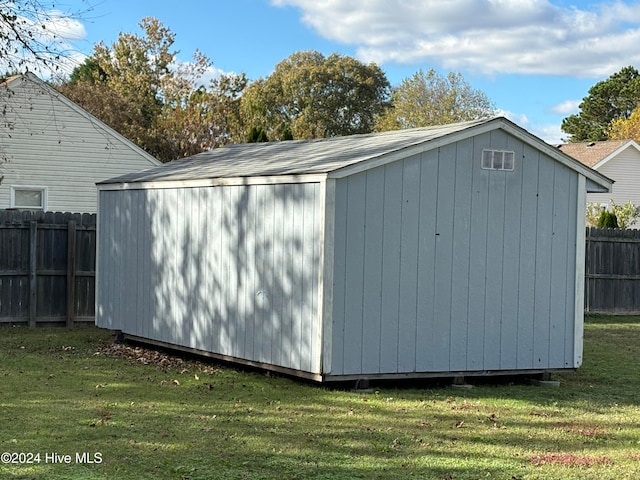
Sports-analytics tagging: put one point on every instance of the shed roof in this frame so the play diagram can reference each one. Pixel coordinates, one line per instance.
(592, 153)
(336, 157)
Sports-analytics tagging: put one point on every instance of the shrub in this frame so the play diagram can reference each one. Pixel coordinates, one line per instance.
(607, 219)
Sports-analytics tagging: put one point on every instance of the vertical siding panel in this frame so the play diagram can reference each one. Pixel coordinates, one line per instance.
(527, 259)
(168, 238)
(302, 277)
(328, 256)
(263, 254)
(339, 280)
(156, 233)
(461, 251)
(181, 274)
(410, 215)
(271, 273)
(494, 270)
(572, 271)
(115, 259)
(314, 318)
(391, 267)
(426, 260)
(199, 293)
(356, 200)
(373, 271)
(303, 222)
(203, 314)
(105, 282)
(561, 297)
(191, 265)
(239, 206)
(217, 233)
(511, 262)
(444, 256)
(227, 280)
(122, 259)
(305, 333)
(478, 252)
(127, 245)
(250, 280)
(290, 317)
(158, 261)
(139, 227)
(147, 292)
(544, 247)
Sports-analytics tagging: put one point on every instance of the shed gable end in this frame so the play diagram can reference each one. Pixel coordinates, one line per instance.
(445, 266)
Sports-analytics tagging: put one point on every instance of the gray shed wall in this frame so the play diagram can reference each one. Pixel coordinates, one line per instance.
(441, 266)
(232, 270)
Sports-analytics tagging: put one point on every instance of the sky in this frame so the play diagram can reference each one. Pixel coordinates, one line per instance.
(534, 59)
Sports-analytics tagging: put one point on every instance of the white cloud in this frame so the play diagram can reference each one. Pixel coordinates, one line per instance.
(567, 107)
(62, 27)
(486, 36)
(551, 134)
(517, 118)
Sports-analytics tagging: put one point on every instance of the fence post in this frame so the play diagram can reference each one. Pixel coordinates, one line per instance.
(71, 272)
(33, 283)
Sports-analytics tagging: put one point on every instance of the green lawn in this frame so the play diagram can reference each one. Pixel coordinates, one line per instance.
(188, 420)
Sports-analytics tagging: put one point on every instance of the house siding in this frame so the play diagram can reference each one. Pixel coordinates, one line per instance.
(441, 266)
(624, 169)
(232, 270)
(47, 143)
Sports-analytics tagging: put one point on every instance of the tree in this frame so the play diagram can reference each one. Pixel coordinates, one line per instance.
(626, 128)
(609, 100)
(257, 135)
(312, 96)
(427, 98)
(29, 37)
(139, 88)
(607, 219)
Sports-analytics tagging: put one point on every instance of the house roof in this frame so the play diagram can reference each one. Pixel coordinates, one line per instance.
(592, 153)
(334, 157)
(17, 80)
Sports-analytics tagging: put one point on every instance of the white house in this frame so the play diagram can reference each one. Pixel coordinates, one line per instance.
(52, 152)
(451, 250)
(618, 160)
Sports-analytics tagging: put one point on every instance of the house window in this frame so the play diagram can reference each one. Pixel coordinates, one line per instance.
(31, 198)
(498, 160)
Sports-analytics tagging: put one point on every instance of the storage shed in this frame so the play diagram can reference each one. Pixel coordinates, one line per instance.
(440, 251)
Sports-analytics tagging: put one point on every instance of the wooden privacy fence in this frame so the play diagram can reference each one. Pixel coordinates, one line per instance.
(47, 267)
(612, 271)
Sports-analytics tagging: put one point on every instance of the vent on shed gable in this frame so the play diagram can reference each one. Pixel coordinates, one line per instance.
(498, 160)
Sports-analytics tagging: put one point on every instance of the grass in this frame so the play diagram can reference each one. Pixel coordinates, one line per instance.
(173, 419)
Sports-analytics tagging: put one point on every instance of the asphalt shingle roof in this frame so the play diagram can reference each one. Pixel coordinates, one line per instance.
(297, 157)
(591, 153)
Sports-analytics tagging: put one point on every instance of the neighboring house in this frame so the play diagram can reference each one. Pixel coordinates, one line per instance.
(52, 152)
(440, 251)
(618, 160)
